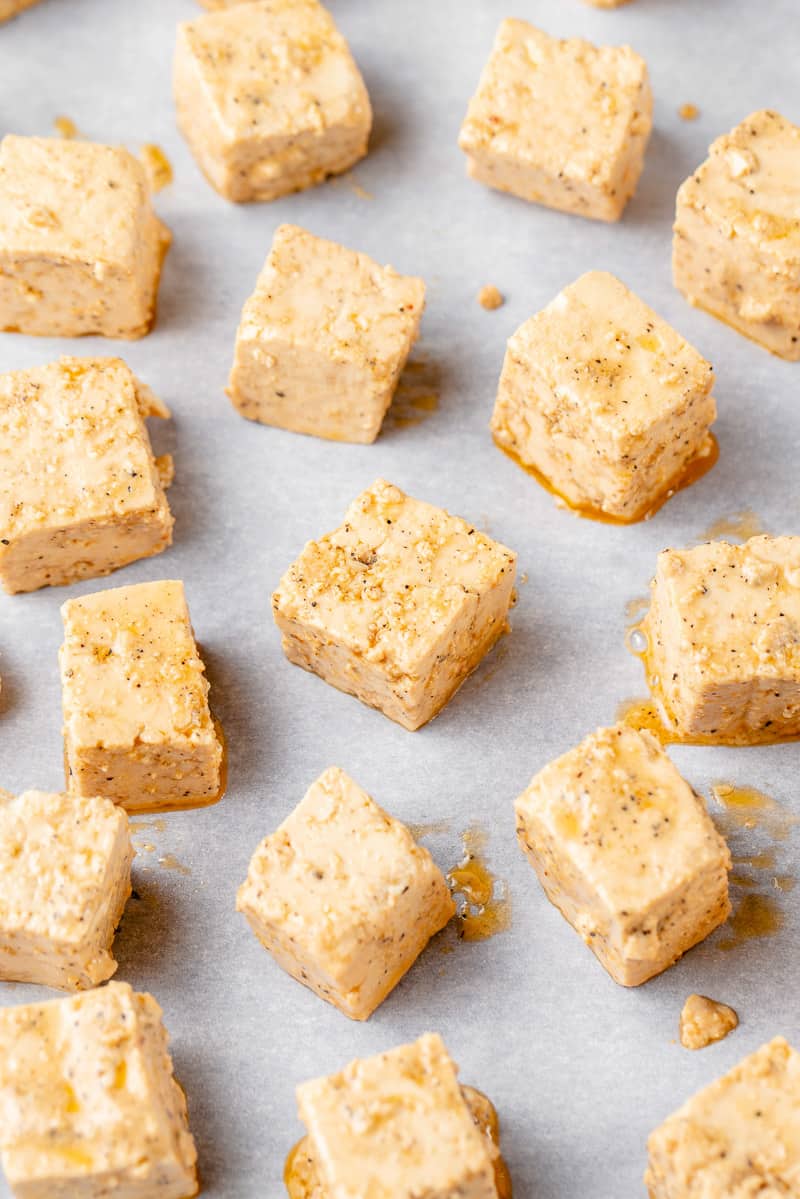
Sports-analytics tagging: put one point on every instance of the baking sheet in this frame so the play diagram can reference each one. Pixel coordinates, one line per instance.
(579, 1068)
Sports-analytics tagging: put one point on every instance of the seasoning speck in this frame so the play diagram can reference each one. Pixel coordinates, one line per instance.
(688, 112)
(64, 127)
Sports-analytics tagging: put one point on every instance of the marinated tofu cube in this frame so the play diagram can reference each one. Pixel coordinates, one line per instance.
(398, 605)
(626, 851)
(137, 725)
(10, 8)
(604, 400)
(736, 251)
(560, 123)
(323, 339)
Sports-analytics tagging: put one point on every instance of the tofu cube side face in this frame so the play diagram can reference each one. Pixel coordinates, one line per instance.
(323, 339)
(736, 249)
(737, 1132)
(597, 102)
(65, 877)
(80, 245)
(269, 98)
(80, 492)
(428, 1143)
(342, 896)
(723, 633)
(94, 1068)
(626, 851)
(604, 399)
(398, 605)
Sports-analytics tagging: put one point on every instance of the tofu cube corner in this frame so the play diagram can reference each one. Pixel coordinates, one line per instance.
(343, 897)
(627, 852)
(398, 605)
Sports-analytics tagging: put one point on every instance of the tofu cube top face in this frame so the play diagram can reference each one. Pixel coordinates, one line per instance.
(738, 1137)
(60, 857)
(74, 446)
(275, 68)
(86, 1089)
(618, 812)
(398, 1116)
(130, 669)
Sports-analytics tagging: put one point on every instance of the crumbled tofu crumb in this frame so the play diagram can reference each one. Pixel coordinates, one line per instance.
(489, 297)
(65, 127)
(158, 167)
(704, 1021)
(688, 112)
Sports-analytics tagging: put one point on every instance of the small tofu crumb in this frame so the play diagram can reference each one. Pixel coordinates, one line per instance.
(65, 127)
(157, 166)
(489, 297)
(704, 1021)
(688, 112)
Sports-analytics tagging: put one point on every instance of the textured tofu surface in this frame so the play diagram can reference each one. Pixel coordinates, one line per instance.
(269, 98)
(626, 851)
(137, 725)
(10, 8)
(343, 897)
(398, 1116)
(398, 605)
(736, 250)
(736, 1139)
(80, 245)
(88, 1103)
(604, 399)
(559, 122)
(80, 491)
(723, 639)
(323, 339)
(65, 877)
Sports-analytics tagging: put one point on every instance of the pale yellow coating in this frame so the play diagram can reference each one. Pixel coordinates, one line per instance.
(343, 897)
(269, 98)
(65, 877)
(736, 250)
(89, 1106)
(10, 8)
(704, 1021)
(80, 245)
(137, 725)
(603, 398)
(606, 3)
(559, 122)
(80, 491)
(323, 339)
(738, 1138)
(397, 1126)
(398, 605)
(723, 633)
(626, 850)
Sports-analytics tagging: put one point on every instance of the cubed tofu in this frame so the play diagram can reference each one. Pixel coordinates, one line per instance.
(607, 402)
(606, 3)
(80, 245)
(723, 639)
(561, 123)
(626, 851)
(10, 8)
(137, 725)
(738, 1137)
(398, 605)
(400, 1115)
(736, 251)
(80, 491)
(269, 98)
(323, 339)
(343, 897)
(65, 877)
(89, 1106)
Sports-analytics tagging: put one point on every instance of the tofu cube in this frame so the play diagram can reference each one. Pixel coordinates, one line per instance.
(736, 251)
(398, 605)
(626, 851)
(80, 245)
(740, 1136)
(560, 123)
(137, 725)
(80, 491)
(343, 897)
(10, 8)
(323, 339)
(65, 877)
(89, 1104)
(400, 1115)
(269, 98)
(605, 400)
(723, 640)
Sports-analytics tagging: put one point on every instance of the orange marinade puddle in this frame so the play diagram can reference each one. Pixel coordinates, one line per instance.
(484, 906)
(417, 395)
